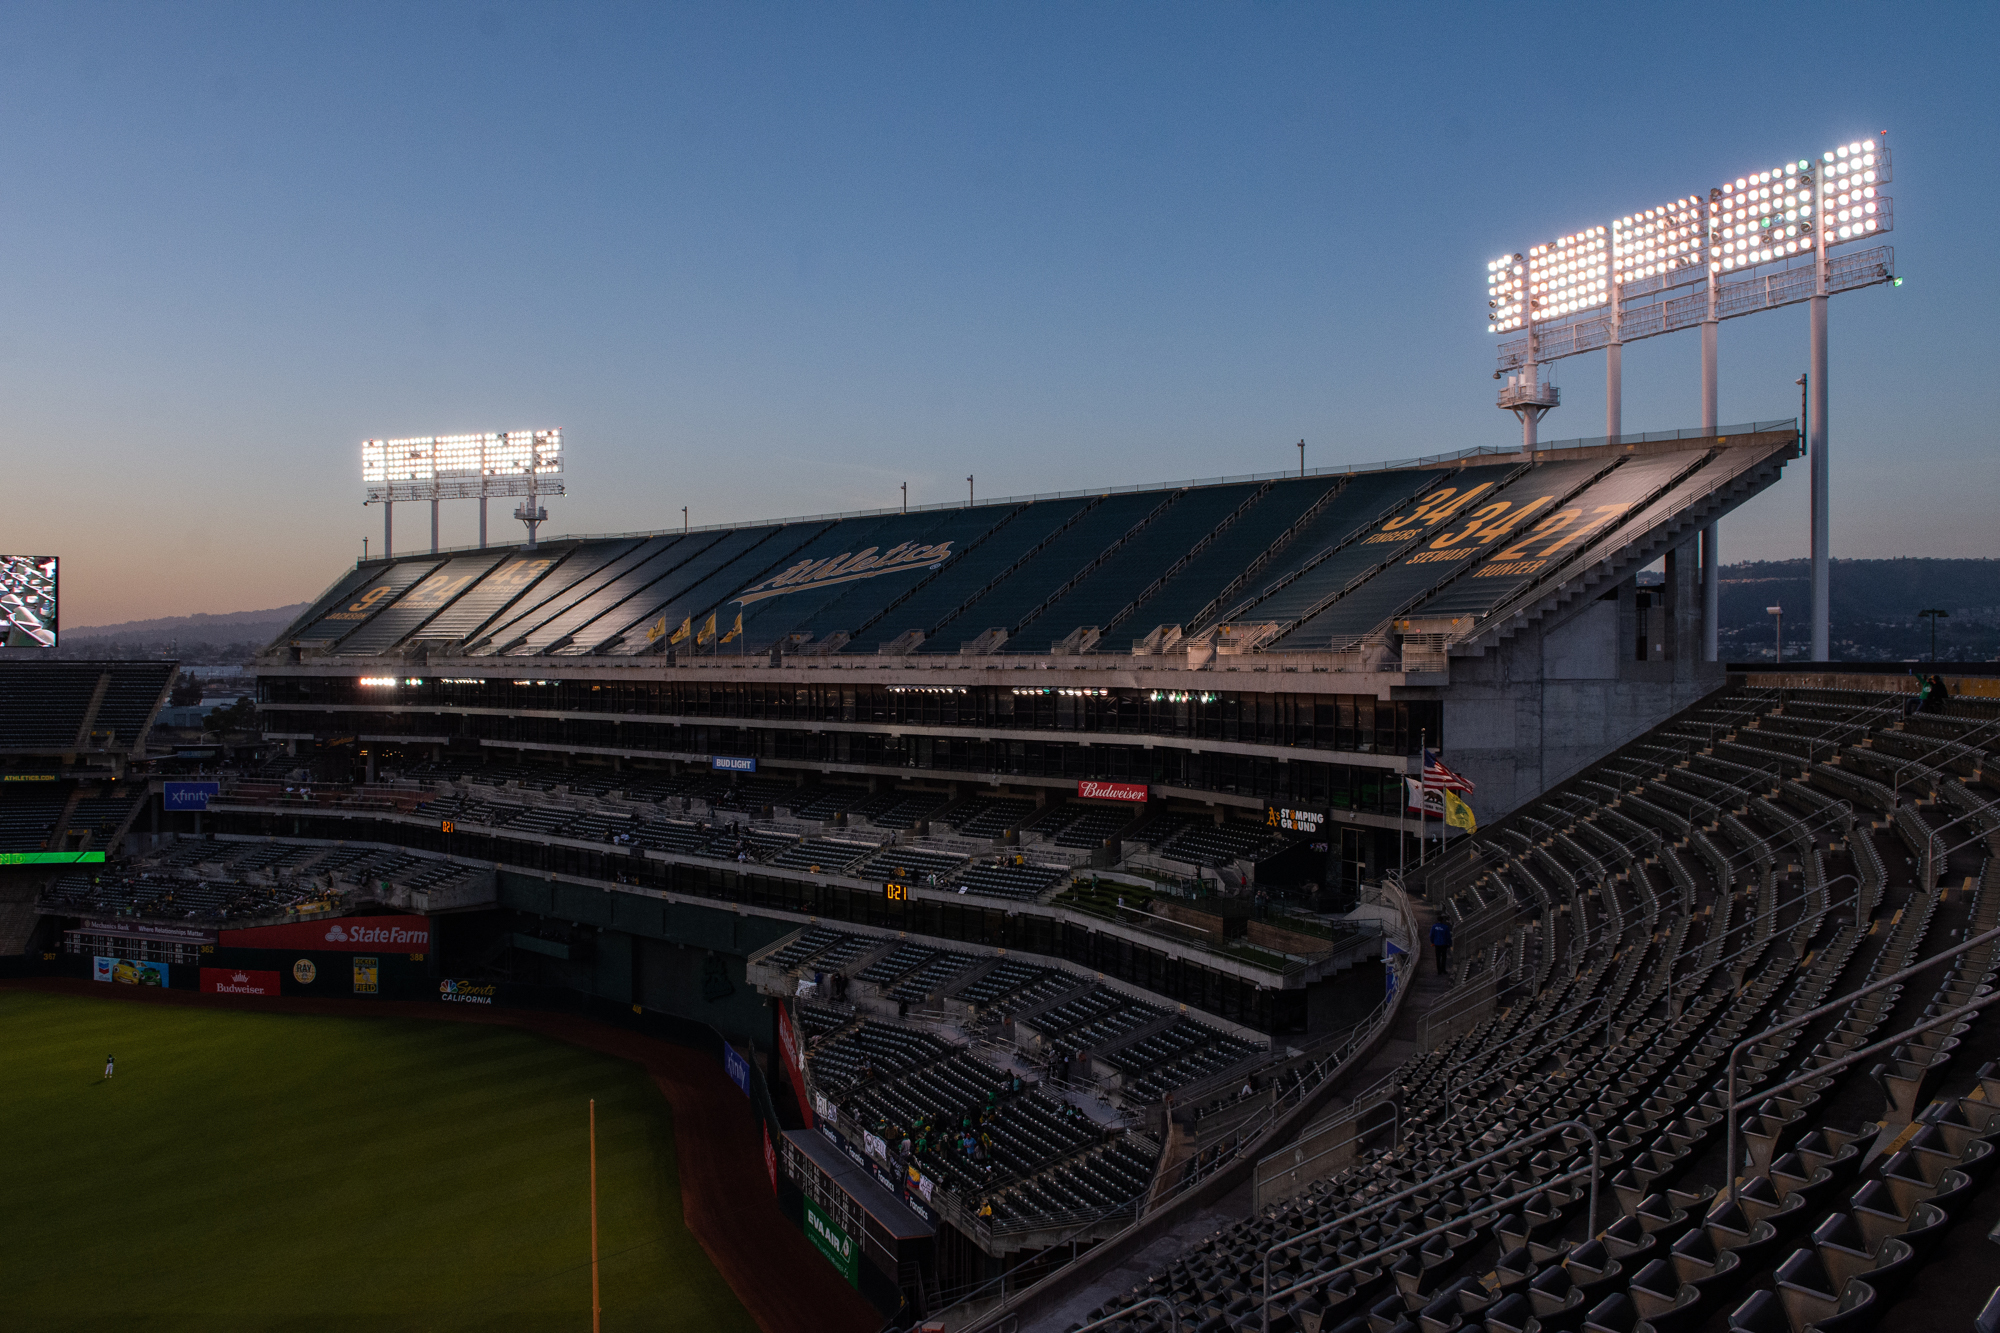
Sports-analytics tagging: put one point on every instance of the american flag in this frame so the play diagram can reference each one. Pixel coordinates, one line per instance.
(1439, 778)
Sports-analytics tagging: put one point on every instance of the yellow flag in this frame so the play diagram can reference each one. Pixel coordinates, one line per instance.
(707, 634)
(687, 628)
(738, 629)
(657, 630)
(1458, 814)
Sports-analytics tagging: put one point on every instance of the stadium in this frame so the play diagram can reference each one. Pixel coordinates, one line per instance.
(1028, 905)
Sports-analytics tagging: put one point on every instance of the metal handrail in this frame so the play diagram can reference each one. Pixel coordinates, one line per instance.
(1937, 836)
(1446, 1174)
(1855, 897)
(1173, 1315)
(1831, 1006)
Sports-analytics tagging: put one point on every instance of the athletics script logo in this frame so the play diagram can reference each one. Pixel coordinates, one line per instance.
(847, 567)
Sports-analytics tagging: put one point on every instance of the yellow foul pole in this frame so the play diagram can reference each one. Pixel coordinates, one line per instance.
(596, 1310)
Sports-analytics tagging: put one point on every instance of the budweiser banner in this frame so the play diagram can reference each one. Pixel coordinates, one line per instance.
(345, 934)
(1112, 791)
(238, 981)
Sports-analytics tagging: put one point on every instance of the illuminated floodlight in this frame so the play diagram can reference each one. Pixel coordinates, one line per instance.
(28, 600)
(457, 467)
(1668, 243)
(1763, 217)
(1570, 274)
(1506, 277)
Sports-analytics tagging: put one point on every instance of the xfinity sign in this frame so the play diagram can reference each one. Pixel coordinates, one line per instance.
(189, 795)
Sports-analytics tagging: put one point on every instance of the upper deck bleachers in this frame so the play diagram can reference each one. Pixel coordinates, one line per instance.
(1327, 558)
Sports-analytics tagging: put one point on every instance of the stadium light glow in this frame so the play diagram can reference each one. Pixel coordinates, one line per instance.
(1570, 274)
(1506, 277)
(1669, 242)
(457, 467)
(1756, 242)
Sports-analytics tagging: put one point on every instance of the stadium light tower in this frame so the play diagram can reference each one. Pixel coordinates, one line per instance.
(1763, 240)
(463, 467)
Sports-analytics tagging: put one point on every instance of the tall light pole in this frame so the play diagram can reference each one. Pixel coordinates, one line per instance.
(1779, 613)
(1754, 243)
(968, 492)
(1302, 460)
(1933, 614)
(906, 497)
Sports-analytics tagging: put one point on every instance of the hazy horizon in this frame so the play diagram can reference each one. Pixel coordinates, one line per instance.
(766, 262)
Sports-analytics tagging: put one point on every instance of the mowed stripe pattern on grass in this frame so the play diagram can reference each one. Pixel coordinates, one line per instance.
(248, 1170)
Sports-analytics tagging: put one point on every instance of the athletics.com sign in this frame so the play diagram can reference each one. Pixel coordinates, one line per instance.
(346, 934)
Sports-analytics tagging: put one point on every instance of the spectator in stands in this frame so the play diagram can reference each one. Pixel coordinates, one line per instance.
(1441, 941)
(1935, 693)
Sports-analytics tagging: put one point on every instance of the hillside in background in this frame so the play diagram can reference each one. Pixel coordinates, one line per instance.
(196, 640)
(205, 628)
(1874, 605)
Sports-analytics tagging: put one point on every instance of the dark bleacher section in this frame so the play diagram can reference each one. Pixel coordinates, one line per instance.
(1098, 596)
(990, 816)
(900, 810)
(44, 705)
(1683, 895)
(911, 865)
(933, 601)
(1022, 883)
(1216, 844)
(1042, 574)
(1015, 985)
(1090, 826)
(28, 814)
(1184, 592)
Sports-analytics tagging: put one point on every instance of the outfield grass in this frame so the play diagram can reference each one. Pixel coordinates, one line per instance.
(279, 1171)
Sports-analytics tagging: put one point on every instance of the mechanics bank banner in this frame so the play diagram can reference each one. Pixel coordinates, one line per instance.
(345, 934)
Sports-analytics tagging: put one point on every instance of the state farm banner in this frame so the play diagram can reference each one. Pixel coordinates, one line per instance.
(238, 981)
(1112, 791)
(346, 934)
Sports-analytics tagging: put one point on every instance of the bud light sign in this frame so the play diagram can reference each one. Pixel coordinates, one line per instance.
(189, 795)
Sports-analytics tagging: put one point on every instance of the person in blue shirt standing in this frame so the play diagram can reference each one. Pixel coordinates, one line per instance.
(1441, 941)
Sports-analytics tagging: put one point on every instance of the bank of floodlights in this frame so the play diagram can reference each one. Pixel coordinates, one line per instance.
(1756, 242)
(462, 467)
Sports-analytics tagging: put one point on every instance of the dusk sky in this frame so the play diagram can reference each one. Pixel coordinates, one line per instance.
(774, 260)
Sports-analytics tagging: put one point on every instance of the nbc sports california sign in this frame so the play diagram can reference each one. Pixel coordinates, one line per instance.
(345, 934)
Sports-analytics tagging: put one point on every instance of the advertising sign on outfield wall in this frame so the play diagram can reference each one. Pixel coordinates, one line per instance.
(238, 981)
(128, 972)
(738, 1067)
(1111, 791)
(367, 976)
(344, 934)
(831, 1241)
(467, 992)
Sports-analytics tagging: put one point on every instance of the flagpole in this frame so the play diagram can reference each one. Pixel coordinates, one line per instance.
(1423, 791)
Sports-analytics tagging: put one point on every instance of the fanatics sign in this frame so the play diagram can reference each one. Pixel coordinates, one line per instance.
(1112, 791)
(347, 934)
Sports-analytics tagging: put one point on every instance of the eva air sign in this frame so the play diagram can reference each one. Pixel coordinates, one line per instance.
(831, 1241)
